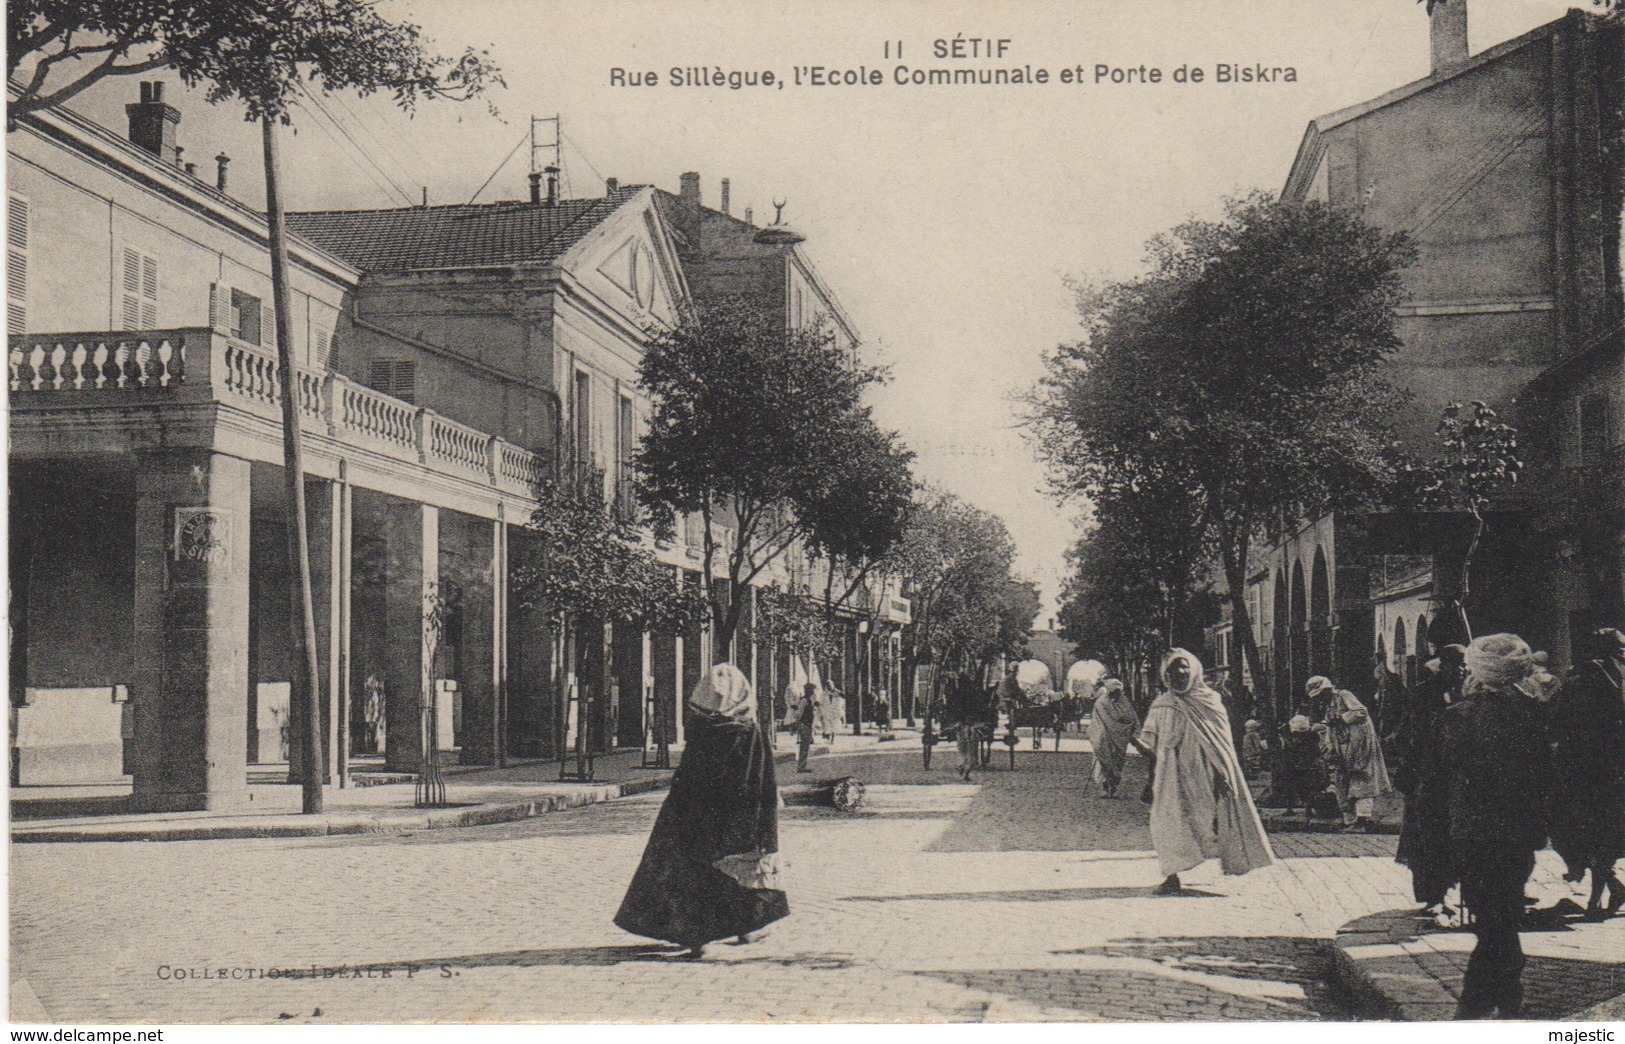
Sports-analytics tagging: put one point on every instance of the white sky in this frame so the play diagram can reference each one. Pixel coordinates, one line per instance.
(944, 218)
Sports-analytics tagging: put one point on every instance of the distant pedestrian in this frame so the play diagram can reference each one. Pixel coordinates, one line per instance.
(1254, 748)
(1498, 769)
(1424, 842)
(967, 711)
(1588, 730)
(834, 713)
(1200, 806)
(1354, 760)
(1298, 776)
(806, 721)
(710, 869)
(1112, 727)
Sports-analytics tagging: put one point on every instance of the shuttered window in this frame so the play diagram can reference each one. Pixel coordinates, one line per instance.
(1595, 434)
(321, 349)
(396, 377)
(140, 290)
(17, 218)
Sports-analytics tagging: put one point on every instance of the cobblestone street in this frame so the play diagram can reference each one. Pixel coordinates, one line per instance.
(1021, 896)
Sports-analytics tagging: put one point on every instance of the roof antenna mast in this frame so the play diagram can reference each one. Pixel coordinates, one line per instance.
(539, 148)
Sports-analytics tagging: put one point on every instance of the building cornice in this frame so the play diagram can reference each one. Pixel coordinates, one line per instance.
(95, 143)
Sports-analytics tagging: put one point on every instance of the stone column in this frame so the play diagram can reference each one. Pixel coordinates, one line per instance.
(191, 631)
(411, 535)
(499, 636)
(476, 657)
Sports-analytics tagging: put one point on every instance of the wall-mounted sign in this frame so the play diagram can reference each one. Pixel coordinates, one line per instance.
(202, 535)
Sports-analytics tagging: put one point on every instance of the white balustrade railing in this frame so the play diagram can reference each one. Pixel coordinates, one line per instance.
(47, 369)
(99, 361)
(457, 443)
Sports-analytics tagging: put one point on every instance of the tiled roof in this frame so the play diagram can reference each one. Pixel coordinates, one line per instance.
(453, 236)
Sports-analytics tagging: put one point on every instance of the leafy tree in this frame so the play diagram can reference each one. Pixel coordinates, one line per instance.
(1239, 376)
(587, 560)
(1480, 462)
(258, 51)
(763, 433)
(956, 566)
(796, 621)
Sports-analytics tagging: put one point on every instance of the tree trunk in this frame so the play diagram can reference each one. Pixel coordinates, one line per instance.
(306, 671)
(1233, 550)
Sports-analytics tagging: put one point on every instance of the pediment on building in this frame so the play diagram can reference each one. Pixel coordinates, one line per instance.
(629, 264)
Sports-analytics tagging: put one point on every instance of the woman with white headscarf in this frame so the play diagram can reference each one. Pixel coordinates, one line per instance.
(1497, 771)
(710, 869)
(1112, 727)
(1200, 805)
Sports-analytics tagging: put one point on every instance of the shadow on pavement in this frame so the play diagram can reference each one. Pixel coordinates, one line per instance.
(1049, 804)
(624, 816)
(1035, 895)
(1304, 963)
(1142, 995)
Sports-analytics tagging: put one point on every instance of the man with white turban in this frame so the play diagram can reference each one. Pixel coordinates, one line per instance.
(1200, 805)
(1353, 755)
(1497, 768)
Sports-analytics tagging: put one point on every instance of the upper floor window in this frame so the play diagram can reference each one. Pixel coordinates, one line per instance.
(394, 377)
(581, 417)
(241, 315)
(1595, 434)
(139, 290)
(17, 231)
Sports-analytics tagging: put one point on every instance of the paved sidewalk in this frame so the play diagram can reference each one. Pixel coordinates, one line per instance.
(1024, 896)
(1407, 967)
(474, 797)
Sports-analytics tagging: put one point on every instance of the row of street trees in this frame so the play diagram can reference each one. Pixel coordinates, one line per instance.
(763, 436)
(1235, 385)
(1234, 389)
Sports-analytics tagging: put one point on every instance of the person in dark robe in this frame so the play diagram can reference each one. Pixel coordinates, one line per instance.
(1424, 843)
(1588, 730)
(710, 869)
(967, 711)
(1497, 769)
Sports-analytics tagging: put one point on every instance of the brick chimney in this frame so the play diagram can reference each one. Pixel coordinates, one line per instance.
(1447, 33)
(723, 206)
(221, 162)
(552, 173)
(153, 123)
(688, 206)
(611, 186)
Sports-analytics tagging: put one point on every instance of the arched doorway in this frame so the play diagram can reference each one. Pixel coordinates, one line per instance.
(1320, 617)
(1402, 665)
(1300, 633)
(1280, 650)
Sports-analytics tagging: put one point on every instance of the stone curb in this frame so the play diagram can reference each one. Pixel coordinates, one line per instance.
(360, 823)
(1280, 824)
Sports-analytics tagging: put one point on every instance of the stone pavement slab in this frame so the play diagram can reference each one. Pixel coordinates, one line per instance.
(1411, 968)
(473, 798)
(934, 903)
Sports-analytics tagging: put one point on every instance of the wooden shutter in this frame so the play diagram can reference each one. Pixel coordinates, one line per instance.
(131, 315)
(17, 217)
(395, 377)
(220, 308)
(321, 349)
(140, 286)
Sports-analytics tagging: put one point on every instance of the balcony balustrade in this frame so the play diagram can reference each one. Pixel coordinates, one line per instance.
(66, 371)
